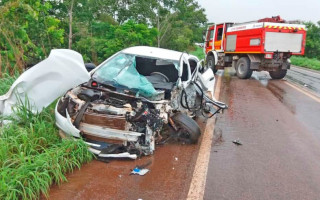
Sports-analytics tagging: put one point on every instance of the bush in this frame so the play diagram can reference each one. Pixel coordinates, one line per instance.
(311, 63)
(32, 155)
(198, 52)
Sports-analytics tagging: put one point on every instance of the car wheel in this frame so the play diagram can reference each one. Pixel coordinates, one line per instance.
(279, 74)
(243, 68)
(188, 129)
(210, 63)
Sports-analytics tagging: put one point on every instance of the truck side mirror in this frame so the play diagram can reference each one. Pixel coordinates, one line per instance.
(204, 36)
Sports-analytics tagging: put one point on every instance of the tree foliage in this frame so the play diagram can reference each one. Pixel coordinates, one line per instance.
(29, 29)
(27, 33)
(313, 40)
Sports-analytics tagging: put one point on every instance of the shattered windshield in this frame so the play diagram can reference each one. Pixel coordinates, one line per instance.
(121, 71)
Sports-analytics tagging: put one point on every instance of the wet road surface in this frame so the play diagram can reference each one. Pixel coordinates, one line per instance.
(170, 175)
(309, 79)
(279, 127)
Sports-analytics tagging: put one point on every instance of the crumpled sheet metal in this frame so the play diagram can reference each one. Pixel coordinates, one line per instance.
(46, 81)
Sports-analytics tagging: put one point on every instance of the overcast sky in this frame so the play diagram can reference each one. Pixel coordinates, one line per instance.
(248, 10)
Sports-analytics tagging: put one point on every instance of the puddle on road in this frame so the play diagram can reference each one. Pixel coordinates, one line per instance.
(264, 79)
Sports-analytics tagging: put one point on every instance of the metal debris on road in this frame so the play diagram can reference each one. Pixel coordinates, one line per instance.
(237, 142)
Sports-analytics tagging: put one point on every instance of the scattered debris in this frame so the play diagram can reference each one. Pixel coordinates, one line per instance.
(141, 169)
(237, 142)
(140, 172)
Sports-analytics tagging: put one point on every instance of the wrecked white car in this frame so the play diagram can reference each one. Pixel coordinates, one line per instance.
(137, 98)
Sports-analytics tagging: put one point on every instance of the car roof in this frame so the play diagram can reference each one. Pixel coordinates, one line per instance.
(154, 52)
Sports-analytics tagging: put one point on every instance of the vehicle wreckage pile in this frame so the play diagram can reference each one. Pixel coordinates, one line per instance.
(137, 98)
(140, 97)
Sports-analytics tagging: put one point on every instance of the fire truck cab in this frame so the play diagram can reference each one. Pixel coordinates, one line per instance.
(266, 44)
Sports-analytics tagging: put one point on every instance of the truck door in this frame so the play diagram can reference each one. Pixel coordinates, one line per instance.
(219, 37)
(209, 39)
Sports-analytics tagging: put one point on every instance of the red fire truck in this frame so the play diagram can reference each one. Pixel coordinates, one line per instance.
(266, 44)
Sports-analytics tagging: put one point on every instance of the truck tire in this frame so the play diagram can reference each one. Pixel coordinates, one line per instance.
(279, 74)
(188, 127)
(243, 68)
(210, 63)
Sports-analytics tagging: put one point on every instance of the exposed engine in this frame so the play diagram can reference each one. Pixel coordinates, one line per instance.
(120, 119)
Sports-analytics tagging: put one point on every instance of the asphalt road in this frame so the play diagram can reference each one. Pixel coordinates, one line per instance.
(309, 79)
(279, 127)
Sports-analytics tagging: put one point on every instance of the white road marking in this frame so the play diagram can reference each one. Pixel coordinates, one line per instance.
(198, 182)
(312, 96)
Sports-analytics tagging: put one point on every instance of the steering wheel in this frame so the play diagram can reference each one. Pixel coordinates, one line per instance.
(160, 74)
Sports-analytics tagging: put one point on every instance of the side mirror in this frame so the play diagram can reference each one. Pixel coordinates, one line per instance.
(201, 65)
(89, 66)
(204, 36)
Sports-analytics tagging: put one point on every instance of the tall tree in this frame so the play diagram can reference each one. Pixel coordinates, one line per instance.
(313, 40)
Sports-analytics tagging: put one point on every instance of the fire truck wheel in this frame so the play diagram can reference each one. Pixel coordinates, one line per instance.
(279, 74)
(243, 68)
(210, 63)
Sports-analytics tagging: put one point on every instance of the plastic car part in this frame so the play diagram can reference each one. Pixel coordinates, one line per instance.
(46, 81)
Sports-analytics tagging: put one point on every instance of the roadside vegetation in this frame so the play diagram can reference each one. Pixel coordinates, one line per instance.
(96, 29)
(311, 59)
(32, 155)
(198, 51)
(311, 63)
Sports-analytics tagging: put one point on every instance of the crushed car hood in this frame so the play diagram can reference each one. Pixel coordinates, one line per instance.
(46, 81)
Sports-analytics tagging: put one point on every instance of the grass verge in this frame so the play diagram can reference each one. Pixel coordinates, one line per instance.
(32, 155)
(198, 52)
(311, 63)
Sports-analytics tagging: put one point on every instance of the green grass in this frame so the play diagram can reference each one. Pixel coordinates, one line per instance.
(6, 82)
(198, 52)
(311, 63)
(32, 155)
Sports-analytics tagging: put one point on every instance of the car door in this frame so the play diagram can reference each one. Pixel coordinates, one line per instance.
(218, 37)
(209, 39)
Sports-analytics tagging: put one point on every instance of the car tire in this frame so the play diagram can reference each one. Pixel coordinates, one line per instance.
(243, 68)
(189, 126)
(211, 63)
(279, 74)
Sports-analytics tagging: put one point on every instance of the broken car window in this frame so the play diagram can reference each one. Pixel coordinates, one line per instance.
(121, 71)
